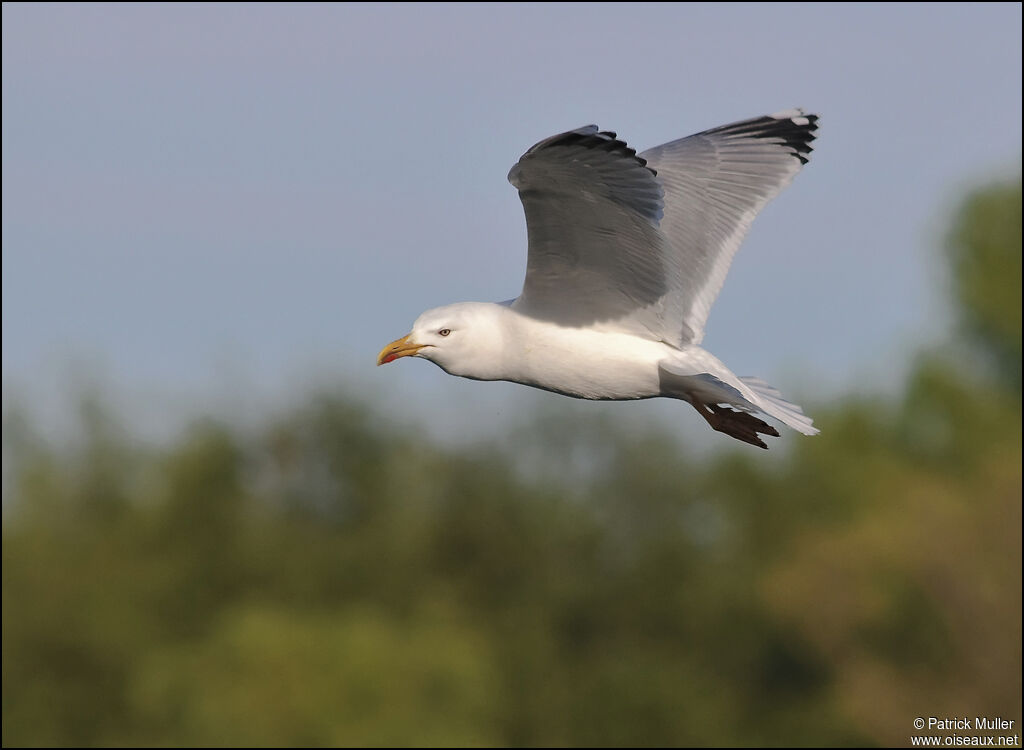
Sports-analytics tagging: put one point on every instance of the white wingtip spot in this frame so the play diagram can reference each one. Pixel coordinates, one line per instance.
(796, 115)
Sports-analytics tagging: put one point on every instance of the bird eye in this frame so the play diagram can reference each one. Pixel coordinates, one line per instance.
(444, 331)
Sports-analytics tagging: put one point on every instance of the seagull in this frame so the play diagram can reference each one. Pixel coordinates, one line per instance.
(627, 253)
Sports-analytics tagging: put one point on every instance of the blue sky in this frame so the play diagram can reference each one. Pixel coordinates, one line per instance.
(209, 204)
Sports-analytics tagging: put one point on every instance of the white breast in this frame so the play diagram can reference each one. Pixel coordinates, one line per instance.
(582, 362)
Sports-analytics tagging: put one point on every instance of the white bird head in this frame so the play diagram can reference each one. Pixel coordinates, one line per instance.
(463, 339)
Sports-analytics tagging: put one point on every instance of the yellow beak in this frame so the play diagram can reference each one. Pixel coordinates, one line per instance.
(402, 347)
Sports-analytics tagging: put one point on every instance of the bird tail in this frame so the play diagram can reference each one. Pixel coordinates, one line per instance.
(771, 402)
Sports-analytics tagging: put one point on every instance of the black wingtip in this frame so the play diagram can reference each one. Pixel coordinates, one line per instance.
(592, 138)
(794, 128)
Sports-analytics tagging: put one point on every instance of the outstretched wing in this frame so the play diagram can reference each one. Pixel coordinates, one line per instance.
(592, 213)
(715, 183)
(642, 243)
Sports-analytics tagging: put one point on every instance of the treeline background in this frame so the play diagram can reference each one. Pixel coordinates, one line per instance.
(332, 579)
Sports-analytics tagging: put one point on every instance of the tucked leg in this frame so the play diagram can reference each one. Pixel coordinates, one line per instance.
(737, 424)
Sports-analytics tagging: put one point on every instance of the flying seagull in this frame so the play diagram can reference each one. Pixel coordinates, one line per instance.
(627, 254)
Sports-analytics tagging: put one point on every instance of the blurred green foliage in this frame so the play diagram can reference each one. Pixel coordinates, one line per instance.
(335, 581)
(985, 253)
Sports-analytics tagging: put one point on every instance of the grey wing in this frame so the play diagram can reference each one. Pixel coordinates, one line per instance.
(592, 214)
(715, 183)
